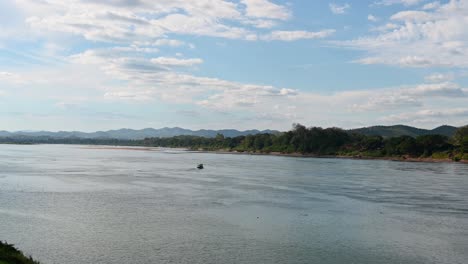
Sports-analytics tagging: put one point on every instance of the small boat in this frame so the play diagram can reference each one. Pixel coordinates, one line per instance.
(200, 166)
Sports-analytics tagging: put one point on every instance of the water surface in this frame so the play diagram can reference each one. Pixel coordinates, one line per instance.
(72, 204)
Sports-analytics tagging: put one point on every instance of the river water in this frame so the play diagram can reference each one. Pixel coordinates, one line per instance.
(76, 204)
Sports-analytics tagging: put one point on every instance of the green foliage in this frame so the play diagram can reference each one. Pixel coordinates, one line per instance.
(461, 134)
(461, 139)
(403, 145)
(433, 143)
(441, 155)
(459, 156)
(299, 140)
(10, 255)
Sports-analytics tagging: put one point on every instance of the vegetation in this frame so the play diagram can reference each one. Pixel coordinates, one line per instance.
(330, 141)
(10, 255)
(461, 139)
(301, 140)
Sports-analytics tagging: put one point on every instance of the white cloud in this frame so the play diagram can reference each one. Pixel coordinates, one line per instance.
(194, 25)
(297, 35)
(146, 20)
(245, 96)
(266, 9)
(386, 27)
(133, 69)
(444, 89)
(104, 21)
(223, 95)
(129, 95)
(439, 77)
(415, 61)
(408, 61)
(408, 97)
(338, 9)
(164, 78)
(6, 75)
(166, 61)
(372, 18)
(139, 80)
(135, 48)
(400, 2)
(387, 101)
(456, 116)
(432, 5)
(261, 23)
(412, 16)
(169, 42)
(413, 38)
(10, 77)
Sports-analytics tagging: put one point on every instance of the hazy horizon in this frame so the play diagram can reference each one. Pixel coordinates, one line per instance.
(197, 129)
(244, 64)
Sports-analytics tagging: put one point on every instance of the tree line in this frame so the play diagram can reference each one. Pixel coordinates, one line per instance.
(329, 141)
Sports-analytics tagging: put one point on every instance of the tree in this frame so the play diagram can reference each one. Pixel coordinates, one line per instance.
(461, 138)
(433, 143)
(219, 137)
(409, 145)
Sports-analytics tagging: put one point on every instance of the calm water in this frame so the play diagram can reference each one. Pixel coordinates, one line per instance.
(71, 204)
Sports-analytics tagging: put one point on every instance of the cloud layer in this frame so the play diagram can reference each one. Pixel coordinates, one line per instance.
(410, 38)
(124, 21)
(140, 53)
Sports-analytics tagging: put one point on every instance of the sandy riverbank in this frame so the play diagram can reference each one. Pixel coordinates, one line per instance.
(297, 155)
(132, 148)
(300, 155)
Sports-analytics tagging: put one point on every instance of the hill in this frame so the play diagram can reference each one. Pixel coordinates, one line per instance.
(166, 132)
(402, 130)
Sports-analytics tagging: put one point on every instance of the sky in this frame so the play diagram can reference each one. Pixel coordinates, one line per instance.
(93, 65)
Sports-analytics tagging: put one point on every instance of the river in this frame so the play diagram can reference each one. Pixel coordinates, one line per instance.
(76, 204)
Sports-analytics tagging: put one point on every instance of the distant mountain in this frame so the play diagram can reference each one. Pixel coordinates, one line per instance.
(401, 130)
(125, 133)
(135, 134)
(5, 133)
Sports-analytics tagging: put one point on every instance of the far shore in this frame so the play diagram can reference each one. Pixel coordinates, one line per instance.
(293, 155)
(301, 155)
(138, 148)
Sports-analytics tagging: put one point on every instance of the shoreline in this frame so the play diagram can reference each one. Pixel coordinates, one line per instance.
(300, 155)
(277, 154)
(137, 148)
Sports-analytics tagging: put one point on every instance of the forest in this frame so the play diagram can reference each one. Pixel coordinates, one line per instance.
(329, 142)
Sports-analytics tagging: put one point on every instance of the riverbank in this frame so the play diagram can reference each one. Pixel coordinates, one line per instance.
(404, 158)
(301, 155)
(10, 255)
(137, 148)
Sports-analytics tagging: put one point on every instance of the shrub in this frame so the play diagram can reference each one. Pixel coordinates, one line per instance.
(10, 255)
(440, 155)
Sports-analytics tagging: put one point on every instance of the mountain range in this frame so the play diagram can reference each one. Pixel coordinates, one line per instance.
(384, 131)
(126, 133)
(401, 130)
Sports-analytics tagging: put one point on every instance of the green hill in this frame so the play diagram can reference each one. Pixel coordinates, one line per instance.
(10, 255)
(402, 130)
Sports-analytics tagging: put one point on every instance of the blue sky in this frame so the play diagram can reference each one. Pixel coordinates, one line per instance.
(96, 65)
